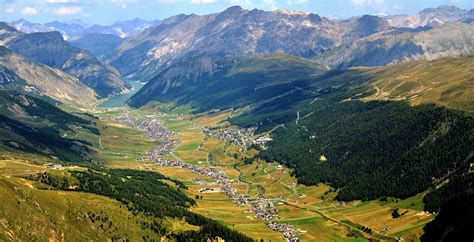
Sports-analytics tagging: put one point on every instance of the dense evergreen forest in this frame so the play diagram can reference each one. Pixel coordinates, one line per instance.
(144, 192)
(373, 149)
(459, 181)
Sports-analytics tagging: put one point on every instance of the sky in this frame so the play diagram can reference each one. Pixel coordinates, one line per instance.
(108, 11)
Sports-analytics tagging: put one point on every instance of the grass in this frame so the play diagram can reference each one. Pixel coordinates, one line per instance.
(121, 146)
(444, 82)
(28, 213)
(376, 216)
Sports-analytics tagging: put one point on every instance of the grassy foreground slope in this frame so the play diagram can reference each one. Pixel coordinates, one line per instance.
(28, 213)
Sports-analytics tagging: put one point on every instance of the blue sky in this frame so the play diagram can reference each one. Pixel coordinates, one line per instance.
(109, 11)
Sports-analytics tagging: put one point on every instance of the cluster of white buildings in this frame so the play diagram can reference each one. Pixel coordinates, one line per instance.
(236, 136)
(290, 232)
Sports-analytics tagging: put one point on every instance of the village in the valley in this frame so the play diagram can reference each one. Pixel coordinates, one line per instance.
(262, 207)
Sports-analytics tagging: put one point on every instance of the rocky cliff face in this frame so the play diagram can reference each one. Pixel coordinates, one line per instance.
(51, 49)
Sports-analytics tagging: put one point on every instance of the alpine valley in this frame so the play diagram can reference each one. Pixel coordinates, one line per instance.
(240, 125)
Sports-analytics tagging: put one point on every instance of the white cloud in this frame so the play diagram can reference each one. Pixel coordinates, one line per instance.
(68, 10)
(10, 10)
(364, 3)
(202, 1)
(29, 11)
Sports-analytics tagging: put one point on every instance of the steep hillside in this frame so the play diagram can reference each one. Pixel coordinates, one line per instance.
(384, 147)
(31, 213)
(446, 82)
(218, 83)
(51, 49)
(395, 46)
(24, 75)
(96, 44)
(30, 125)
(236, 32)
(374, 149)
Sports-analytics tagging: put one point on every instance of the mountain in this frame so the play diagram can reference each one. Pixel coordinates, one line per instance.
(433, 17)
(206, 83)
(28, 27)
(67, 30)
(27, 76)
(123, 29)
(76, 27)
(451, 39)
(236, 32)
(51, 49)
(97, 44)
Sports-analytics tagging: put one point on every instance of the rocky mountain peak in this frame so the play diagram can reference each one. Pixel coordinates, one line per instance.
(234, 10)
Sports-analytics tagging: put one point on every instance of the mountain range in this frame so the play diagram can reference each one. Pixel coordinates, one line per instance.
(74, 28)
(239, 32)
(51, 49)
(433, 17)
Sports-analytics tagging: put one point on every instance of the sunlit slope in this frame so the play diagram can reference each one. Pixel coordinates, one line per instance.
(27, 213)
(447, 82)
(25, 75)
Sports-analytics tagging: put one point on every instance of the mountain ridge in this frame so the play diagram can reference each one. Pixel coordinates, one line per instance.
(51, 49)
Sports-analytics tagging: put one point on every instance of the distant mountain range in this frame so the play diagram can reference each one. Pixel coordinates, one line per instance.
(239, 32)
(236, 32)
(433, 17)
(51, 49)
(70, 29)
